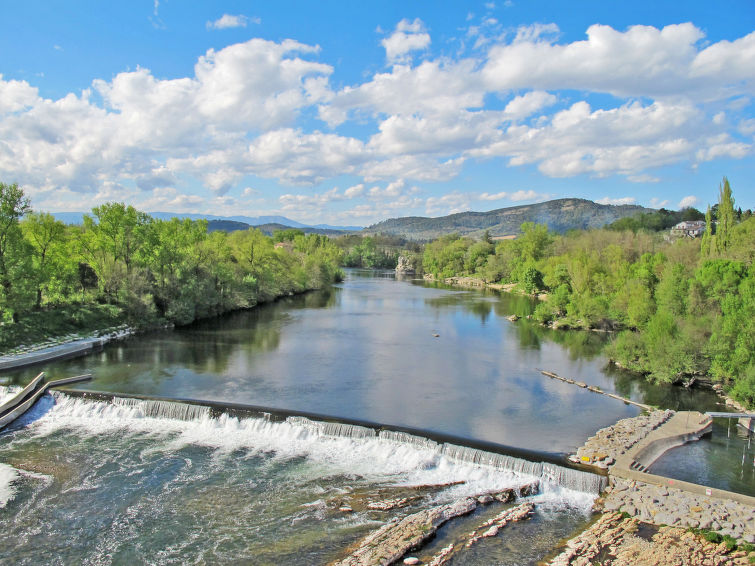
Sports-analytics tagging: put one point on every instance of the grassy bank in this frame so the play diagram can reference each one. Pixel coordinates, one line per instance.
(48, 324)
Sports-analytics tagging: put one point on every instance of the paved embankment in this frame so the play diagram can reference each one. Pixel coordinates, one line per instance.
(630, 446)
(69, 349)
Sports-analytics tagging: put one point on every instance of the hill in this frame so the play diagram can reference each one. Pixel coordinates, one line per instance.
(272, 227)
(228, 223)
(559, 215)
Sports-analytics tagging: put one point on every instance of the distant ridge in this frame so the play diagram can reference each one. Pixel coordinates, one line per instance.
(232, 222)
(269, 228)
(559, 215)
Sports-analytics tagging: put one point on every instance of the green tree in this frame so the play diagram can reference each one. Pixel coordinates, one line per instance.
(47, 237)
(13, 249)
(726, 217)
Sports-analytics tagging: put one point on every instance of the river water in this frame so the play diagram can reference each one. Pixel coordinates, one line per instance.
(96, 482)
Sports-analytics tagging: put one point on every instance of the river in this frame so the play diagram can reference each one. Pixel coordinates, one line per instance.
(102, 483)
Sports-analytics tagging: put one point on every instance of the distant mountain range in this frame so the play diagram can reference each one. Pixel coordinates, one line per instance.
(78, 218)
(270, 227)
(559, 215)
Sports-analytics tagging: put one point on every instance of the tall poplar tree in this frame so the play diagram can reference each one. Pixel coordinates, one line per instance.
(726, 217)
(705, 244)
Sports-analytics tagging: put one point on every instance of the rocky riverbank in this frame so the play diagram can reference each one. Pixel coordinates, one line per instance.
(661, 505)
(649, 524)
(617, 540)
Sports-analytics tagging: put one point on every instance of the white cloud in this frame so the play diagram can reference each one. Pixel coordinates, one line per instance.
(228, 21)
(641, 61)
(528, 195)
(644, 178)
(16, 96)
(354, 191)
(495, 196)
(408, 36)
(394, 189)
(617, 201)
(248, 109)
(529, 103)
(688, 201)
(625, 140)
(534, 32)
(316, 200)
(450, 203)
(658, 203)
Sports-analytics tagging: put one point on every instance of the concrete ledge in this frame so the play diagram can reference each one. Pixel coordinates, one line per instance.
(683, 427)
(49, 354)
(697, 489)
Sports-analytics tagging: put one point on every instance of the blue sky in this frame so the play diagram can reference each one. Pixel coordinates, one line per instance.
(349, 113)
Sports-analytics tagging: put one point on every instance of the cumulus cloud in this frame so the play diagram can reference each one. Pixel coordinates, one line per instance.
(641, 61)
(688, 201)
(617, 201)
(228, 21)
(528, 195)
(251, 109)
(450, 203)
(408, 36)
(494, 196)
(658, 203)
(624, 140)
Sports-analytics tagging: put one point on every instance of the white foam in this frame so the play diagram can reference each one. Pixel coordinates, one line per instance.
(330, 448)
(8, 477)
(8, 392)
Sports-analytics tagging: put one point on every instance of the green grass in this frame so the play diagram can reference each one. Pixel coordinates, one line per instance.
(49, 324)
(728, 540)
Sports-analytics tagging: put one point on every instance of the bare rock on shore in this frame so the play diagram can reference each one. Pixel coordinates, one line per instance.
(616, 541)
(663, 505)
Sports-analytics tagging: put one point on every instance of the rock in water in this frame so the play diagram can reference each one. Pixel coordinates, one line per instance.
(389, 543)
(403, 266)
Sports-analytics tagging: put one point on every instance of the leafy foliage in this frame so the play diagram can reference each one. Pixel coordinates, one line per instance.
(150, 271)
(685, 308)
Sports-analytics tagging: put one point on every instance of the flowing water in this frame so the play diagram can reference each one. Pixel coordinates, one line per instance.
(130, 481)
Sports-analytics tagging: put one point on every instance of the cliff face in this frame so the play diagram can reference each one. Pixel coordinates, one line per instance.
(559, 215)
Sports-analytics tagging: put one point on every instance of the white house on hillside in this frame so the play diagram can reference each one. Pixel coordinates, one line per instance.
(689, 229)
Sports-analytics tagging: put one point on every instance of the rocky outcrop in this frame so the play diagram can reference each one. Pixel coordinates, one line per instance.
(617, 541)
(404, 266)
(394, 539)
(390, 542)
(489, 528)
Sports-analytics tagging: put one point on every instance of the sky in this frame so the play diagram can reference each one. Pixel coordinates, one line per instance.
(348, 113)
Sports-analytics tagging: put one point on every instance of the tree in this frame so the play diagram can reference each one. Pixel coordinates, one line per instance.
(47, 237)
(13, 205)
(705, 243)
(111, 242)
(726, 217)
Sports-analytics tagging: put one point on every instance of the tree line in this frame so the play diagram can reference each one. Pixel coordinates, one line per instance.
(683, 309)
(153, 271)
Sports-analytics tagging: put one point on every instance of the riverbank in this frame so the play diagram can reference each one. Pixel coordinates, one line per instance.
(477, 283)
(618, 540)
(61, 347)
(659, 521)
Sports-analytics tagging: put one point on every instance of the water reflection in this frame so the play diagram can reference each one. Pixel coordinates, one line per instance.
(404, 353)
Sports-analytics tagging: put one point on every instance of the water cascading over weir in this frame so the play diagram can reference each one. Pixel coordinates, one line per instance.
(548, 468)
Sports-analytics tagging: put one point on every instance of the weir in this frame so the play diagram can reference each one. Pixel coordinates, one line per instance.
(555, 469)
